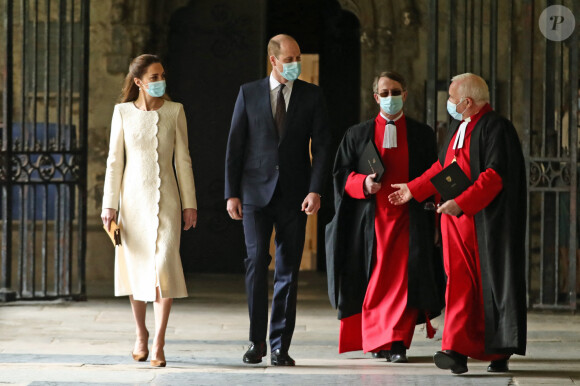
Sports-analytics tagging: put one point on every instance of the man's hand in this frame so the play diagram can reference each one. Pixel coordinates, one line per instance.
(234, 207)
(371, 187)
(108, 215)
(189, 218)
(450, 207)
(311, 203)
(400, 196)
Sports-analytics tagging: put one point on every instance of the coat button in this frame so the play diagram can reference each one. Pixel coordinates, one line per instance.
(277, 167)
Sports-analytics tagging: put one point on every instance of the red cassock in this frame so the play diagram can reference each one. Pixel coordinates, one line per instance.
(385, 317)
(464, 329)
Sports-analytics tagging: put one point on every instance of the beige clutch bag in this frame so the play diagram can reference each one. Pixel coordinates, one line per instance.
(114, 233)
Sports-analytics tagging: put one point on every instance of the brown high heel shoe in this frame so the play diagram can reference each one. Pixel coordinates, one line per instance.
(159, 362)
(142, 355)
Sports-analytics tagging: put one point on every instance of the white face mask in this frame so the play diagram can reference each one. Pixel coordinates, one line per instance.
(156, 89)
(452, 109)
(291, 71)
(392, 104)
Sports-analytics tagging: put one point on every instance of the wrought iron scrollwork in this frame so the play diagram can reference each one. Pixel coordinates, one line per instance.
(42, 167)
(549, 174)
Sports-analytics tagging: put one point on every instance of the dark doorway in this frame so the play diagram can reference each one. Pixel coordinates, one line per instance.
(215, 48)
(323, 28)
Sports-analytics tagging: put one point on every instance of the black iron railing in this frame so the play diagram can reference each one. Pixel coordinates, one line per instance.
(43, 148)
(533, 81)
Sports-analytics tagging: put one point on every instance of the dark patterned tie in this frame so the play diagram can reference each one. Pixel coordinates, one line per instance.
(280, 111)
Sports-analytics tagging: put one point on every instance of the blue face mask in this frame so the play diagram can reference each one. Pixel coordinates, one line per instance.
(452, 109)
(156, 89)
(392, 104)
(291, 71)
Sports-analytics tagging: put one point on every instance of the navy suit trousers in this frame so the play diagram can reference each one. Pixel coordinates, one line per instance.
(290, 225)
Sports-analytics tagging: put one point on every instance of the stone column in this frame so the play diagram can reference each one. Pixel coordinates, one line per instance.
(389, 40)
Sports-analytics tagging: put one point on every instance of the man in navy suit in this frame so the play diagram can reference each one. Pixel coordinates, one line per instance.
(271, 181)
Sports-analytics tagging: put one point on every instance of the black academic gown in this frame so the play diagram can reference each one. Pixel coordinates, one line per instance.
(500, 228)
(351, 233)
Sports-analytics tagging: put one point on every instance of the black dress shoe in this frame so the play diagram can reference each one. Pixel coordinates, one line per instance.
(398, 353)
(451, 360)
(280, 358)
(255, 352)
(500, 366)
(381, 354)
(398, 358)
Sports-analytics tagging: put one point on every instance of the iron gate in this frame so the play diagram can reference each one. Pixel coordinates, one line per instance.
(43, 149)
(533, 81)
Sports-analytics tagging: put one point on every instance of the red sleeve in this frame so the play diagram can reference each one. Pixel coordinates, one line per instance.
(421, 187)
(354, 186)
(481, 193)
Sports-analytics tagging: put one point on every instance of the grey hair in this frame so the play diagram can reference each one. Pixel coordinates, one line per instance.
(472, 86)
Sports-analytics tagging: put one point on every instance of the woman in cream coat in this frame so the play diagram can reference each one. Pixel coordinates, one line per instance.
(148, 132)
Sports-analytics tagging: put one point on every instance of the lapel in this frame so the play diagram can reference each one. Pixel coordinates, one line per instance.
(364, 134)
(453, 126)
(369, 131)
(266, 105)
(292, 107)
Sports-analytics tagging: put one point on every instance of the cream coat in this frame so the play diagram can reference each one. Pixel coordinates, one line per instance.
(141, 184)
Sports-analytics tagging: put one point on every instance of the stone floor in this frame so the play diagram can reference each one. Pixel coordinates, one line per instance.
(89, 343)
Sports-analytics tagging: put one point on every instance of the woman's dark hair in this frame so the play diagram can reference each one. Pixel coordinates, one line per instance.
(137, 69)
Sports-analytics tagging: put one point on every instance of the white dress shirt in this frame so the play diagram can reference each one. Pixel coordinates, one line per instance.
(274, 87)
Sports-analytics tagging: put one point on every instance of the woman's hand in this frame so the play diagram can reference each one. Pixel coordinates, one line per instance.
(189, 218)
(108, 215)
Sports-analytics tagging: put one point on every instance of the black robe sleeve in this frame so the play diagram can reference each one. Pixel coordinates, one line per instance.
(350, 234)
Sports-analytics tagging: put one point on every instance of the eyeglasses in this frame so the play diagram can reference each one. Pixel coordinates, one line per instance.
(385, 94)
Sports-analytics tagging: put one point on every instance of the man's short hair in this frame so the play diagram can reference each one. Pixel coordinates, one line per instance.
(472, 86)
(391, 75)
(275, 43)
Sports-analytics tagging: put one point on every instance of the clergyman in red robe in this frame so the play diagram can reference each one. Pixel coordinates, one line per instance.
(483, 232)
(385, 274)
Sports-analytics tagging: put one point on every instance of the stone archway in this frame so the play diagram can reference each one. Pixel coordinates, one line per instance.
(388, 30)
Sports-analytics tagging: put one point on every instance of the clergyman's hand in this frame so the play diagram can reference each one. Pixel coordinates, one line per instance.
(400, 196)
(311, 203)
(234, 207)
(450, 207)
(371, 187)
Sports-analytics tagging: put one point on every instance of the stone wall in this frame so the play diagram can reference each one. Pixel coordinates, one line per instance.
(119, 31)
(123, 29)
(393, 36)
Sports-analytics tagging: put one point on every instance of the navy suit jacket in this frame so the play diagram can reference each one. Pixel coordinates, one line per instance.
(257, 159)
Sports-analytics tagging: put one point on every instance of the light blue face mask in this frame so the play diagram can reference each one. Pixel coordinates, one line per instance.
(452, 109)
(392, 104)
(156, 89)
(291, 71)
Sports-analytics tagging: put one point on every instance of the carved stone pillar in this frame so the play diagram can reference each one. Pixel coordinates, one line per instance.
(388, 36)
(130, 31)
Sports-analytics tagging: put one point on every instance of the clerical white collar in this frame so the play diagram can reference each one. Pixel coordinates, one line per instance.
(394, 120)
(274, 83)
